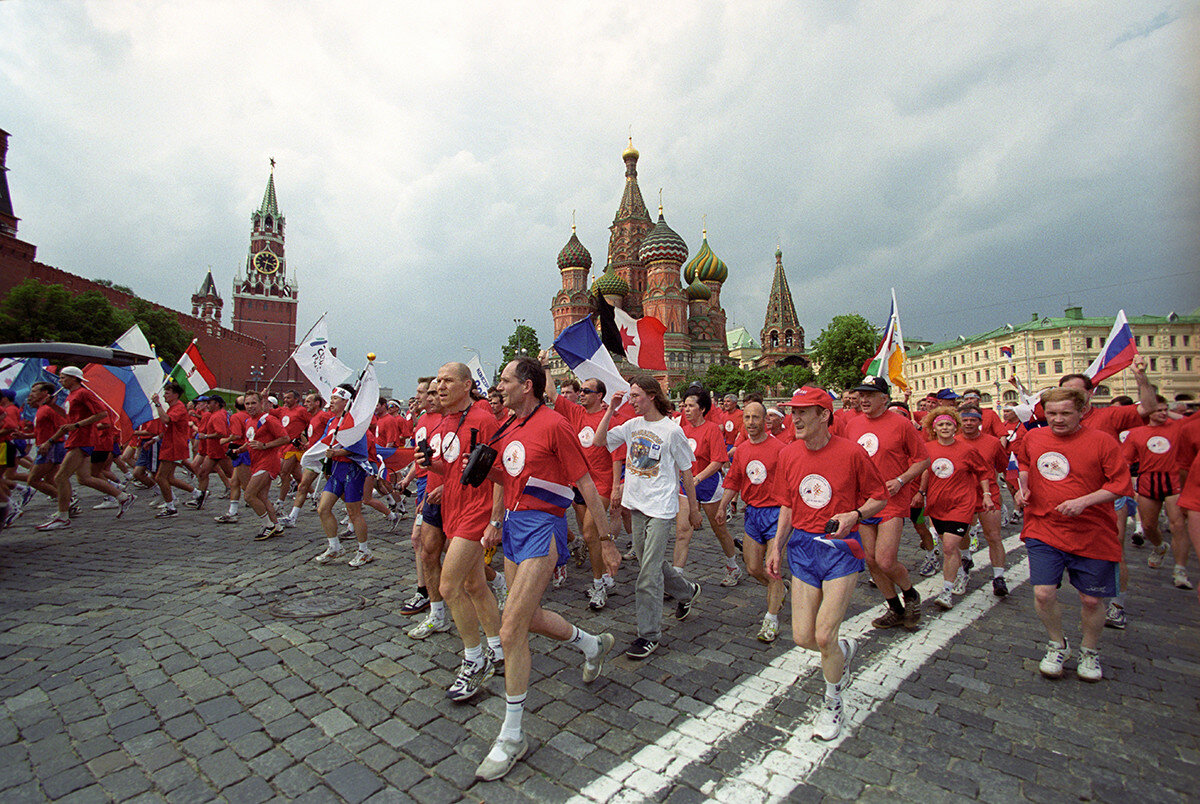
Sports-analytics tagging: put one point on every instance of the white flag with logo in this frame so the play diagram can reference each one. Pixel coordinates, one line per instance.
(353, 438)
(481, 380)
(317, 361)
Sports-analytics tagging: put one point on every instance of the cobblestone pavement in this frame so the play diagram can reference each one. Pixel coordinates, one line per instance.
(140, 660)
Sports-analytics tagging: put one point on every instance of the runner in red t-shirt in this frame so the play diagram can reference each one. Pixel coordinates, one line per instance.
(1153, 449)
(214, 428)
(170, 410)
(898, 453)
(953, 486)
(995, 458)
(708, 446)
(265, 438)
(84, 410)
(294, 418)
(50, 452)
(1070, 476)
(752, 476)
(469, 514)
(733, 427)
(314, 428)
(233, 444)
(1187, 457)
(826, 485)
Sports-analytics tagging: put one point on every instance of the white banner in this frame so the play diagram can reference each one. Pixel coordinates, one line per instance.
(481, 381)
(317, 361)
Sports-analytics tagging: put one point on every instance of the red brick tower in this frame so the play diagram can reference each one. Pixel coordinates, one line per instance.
(207, 304)
(573, 302)
(628, 228)
(663, 252)
(264, 298)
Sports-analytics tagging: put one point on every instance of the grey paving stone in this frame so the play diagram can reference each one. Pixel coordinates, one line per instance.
(353, 782)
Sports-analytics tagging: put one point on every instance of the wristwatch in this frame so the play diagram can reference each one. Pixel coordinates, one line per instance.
(497, 524)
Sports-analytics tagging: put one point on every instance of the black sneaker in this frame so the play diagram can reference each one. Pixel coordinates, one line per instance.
(1137, 538)
(999, 586)
(167, 513)
(641, 648)
(684, 607)
(197, 502)
(415, 604)
(968, 563)
(497, 664)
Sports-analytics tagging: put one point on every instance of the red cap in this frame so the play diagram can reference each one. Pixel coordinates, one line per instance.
(810, 397)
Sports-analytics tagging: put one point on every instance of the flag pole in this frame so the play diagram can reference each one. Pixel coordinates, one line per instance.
(293, 354)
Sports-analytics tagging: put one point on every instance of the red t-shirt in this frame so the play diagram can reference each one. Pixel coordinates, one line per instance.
(542, 459)
(706, 443)
(816, 484)
(1113, 420)
(294, 421)
(215, 424)
(237, 427)
(1187, 457)
(466, 511)
(404, 429)
(893, 446)
(954, 475)
(599, 459)
(82, 403)
(265, 430)
(316, 426)
(387, 434)
(427, 430)
(752, 473)
(1061, 469)
(175, 433)
(46, 422)
(733, 427)
(1153, 448)
(995, 457)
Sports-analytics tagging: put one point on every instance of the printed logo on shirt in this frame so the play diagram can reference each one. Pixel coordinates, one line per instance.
(451, 448)
(587, 436)
(1053, 466)
(645, 453)
(1158, 445)
(249, 433)
(815, 491)
(420, 434)
(435, 444)
(756, 471)
(729, 425)
(285, 420)
(943, 467)
(1124, 435)
(692, 445)
(514, 458)
(310, 431)
(869, 442)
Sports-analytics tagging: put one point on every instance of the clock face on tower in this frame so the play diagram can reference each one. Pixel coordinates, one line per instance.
(266, 263)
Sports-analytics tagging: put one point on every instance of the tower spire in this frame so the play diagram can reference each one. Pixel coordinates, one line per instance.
(269, 205)
(782, 334)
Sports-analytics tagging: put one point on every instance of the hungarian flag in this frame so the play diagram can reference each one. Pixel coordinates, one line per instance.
(888, 361)
(1117, 354)
(192, 373)
(640, 340)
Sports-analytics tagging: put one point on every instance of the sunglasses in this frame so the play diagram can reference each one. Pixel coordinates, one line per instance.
(588, 391)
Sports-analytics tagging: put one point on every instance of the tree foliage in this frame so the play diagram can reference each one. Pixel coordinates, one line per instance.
(842, 348)
(770, 382)
(34, 312)
(524, 340)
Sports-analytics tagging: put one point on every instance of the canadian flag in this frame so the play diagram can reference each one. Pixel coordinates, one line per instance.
(640, 340)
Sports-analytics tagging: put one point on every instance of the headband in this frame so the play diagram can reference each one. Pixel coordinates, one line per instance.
(945, 418)
(341, 393)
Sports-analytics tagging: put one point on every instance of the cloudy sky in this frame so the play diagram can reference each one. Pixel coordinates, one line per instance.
(987, 159)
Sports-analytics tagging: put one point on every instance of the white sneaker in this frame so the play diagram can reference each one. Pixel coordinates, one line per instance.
(931, 564)
(945, 600)
(1089, 665)
(510, 751)
(1155, 559)
(769, 630)
(1056, 656)
(432, 624)
(828, 724)
(361, 558)
(54, 523)
(960, 583)
(501, 593)
(1180, 579)
(287, 522)
(592, 668)
(849, 647)
(329, 556)
(732, 574)
(560, 576)
(597, 597)
(110, 502)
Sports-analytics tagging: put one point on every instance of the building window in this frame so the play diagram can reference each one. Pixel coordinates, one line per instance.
(1088, 341)
(985, 354)
(1187, 364)
(954, 360)
(1137, 340)
(977, 354)
(1055, 343)
(1009, 396)
(774, 338)
(1149, 340)
(1058, 367)
(977, 377)
(1174, 364)
(788, 337)
(1154, 364)
(1002, 369)
(1041, 368)
(1102, 390)
(1172, 340)
(987, 374)
(1039, 346)
(1187, 340)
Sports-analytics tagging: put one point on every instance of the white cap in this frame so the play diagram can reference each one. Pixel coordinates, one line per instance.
(71, 371)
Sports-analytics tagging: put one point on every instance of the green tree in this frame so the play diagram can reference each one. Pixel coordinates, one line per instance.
(162, 329)
(523, 341)
(108, 283)
(842, 348)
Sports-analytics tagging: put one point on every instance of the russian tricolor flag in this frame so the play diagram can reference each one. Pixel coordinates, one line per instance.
(847, 545)
(1117, 354)
(1006, 352)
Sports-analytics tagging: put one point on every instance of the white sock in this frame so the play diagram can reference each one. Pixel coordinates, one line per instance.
(335, 543)
(731, 562)
(295, 514)
(997, 572)
(514, 708)
(773, 619)
(474, 655)
(234, 505)
(496, 648)
(832, 693)
(437, 608)
(587, 643)
(363, 547)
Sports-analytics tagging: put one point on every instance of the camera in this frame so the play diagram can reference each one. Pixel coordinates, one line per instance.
(479, 463)
(423, 446)
(831, 526)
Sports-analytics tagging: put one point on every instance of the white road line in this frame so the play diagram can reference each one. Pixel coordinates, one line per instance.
(772, 775)
(658, 764)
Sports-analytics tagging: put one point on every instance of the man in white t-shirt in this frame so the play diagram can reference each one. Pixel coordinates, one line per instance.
(658, 459)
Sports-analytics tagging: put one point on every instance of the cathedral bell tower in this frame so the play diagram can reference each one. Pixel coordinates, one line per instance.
(264, 297)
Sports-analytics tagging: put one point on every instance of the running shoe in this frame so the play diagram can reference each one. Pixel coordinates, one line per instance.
(54, 523)
(1056, 656)
(828, 724)
(849, 647)
(1138, 538)
(1180, 579)
(226, 518)
(432, 624)
(889, 619)
(76, 509)
(167, 513)
(500, 590)
(27, 495)
(592, 668)
(597, 597)
(197, 502)
(641, 648)
(629, 555)
(732, 575)
(329, 556)
(269, 532)
(945, 600)
(560, 576)
(415, 604)
(470, 680)
(684, 607)
(509, 750)
(1088, 668)
(287, 521)
(360, 558)
(912, 610)
(960, 582)
(14, 511)
(1155, 559)
(497, 664)
(999, 586)
(393, 522)
(109, 502)
(580, 550)
(769, 630)
(930, 565)
(968, 563)
(1115, 617)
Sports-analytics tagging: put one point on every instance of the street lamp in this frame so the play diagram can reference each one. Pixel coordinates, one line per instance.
(256, 375)
(521, 349)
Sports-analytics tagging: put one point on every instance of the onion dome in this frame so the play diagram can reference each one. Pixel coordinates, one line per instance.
(610, 283)
(698, 291)
(706, 266)
(574, 255)
(662, 244)
(630, 151)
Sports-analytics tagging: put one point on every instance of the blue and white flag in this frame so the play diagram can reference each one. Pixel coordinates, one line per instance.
(354, 438)
(317, 361)
(481, 380)
(142, 381)
(580, 348)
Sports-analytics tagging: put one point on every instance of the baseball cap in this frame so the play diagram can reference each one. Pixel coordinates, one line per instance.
(810, 397)
(871, 385)
(947, 393)
(71, 371)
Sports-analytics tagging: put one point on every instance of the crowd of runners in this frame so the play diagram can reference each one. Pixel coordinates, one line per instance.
(826, 486)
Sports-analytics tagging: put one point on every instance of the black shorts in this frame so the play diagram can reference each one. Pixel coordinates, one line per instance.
(915, 514)
(99, 456)
(1156, 485)
(944, 526)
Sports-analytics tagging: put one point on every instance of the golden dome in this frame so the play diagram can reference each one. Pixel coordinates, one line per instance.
(630, 152)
